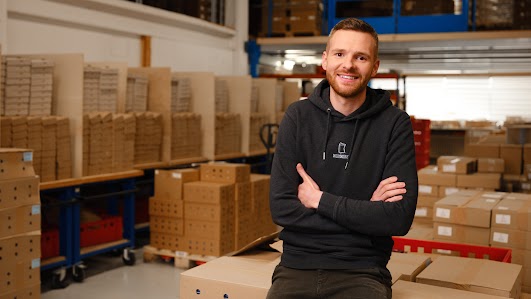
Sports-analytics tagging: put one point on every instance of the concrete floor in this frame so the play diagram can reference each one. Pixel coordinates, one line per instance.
(108, 278)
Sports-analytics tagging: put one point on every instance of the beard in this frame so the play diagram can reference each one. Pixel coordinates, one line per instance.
(347, 91)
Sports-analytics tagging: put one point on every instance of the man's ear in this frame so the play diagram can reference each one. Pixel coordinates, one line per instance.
(324, 63)
(375, 68)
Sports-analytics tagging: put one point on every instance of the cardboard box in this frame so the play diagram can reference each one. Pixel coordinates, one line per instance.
(456, 164)
(169, 183)
(424, 213)
(427, 201)
(16, 163)
(27, 292)
(167, 225)
(479, 180)
(20, 220)
(446, 209)
(247, 276)
(428, 190)
(477, 212)
(450, 232)
(482, 150)
(510, 238)
(512, 154)
(411, 290)
(406, 266)
(19, 191)
(219, 172)
(167, 208)
(446, 191)
(430, 175)
(209, 192)
(475, 275)
(167, 241)
(489, 165)
(521, 257)
(420, 231)
(512, 213)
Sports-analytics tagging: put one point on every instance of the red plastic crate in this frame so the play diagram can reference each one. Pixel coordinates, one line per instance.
(108, 229)
(465, 250)
(49, 243)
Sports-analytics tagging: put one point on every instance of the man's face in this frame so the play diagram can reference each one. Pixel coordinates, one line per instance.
(350, 62)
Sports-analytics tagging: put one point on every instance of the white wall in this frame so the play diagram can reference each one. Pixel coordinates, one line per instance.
(110, 30)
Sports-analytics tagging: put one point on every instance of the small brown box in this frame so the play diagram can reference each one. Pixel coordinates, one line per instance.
(430, 175)
(16, 163)
(461, 233)
(479, 180)
(456, 164)
(225, 172)
(429, 190)
(491, 165)
(18, 192)
(475, 275)
(482, 150)
(20, 220)
(512, 155)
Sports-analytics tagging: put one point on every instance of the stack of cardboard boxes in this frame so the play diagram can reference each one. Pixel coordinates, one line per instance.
(136, 93)
(228, 133)
(48, 137)
(20, 226)
(123, 144)
(148, 138)
(100, 89)
(291, 18)
(186, 141)
(511, 228)
(209, 211)
(97, 143)
(257, 121)
(41, 88)
(16, 93)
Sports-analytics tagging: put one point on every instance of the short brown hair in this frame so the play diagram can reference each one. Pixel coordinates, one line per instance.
(355, 25)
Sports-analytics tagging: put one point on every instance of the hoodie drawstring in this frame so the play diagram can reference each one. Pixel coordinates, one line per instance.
(328, 110)
(352, 143)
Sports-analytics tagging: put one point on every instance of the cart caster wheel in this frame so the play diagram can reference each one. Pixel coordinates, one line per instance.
(59, 280)
(78, 273)
(128, 257)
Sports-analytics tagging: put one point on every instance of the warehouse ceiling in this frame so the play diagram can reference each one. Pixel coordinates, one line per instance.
(480, 54)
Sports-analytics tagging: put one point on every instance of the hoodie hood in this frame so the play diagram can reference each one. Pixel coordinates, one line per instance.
(376, 101)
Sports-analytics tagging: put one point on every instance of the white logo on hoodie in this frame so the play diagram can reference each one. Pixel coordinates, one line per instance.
(341, 149)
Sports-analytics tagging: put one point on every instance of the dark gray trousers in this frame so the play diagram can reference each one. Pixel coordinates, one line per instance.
(369, 283)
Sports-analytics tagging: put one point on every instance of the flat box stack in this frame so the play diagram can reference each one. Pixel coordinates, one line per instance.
(97, 143)
(100, 89)
(148, 138)
(258, 120)
(27, 86)
(186, 135)
(228, 133)
(211, 211)
(123, 143)
(186, 125)
(292, 18)
(48, 137)
(20, 229)
(136, 93)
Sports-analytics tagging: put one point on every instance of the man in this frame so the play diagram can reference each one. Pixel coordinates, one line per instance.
(344, 178)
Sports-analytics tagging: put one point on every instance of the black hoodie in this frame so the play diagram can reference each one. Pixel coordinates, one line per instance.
(347, 156)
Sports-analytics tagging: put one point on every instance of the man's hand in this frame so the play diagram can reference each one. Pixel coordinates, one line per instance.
(309, 191)
(389, 190)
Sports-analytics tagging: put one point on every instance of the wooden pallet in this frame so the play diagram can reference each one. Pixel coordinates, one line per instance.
(180, 259)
